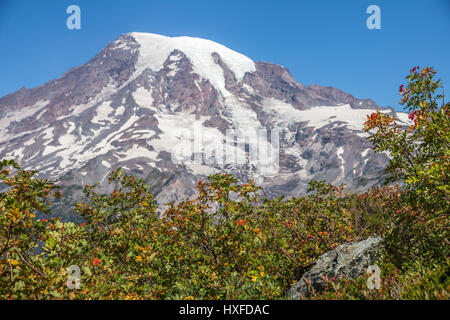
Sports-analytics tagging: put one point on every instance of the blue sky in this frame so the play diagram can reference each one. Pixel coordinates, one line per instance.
(323, 42)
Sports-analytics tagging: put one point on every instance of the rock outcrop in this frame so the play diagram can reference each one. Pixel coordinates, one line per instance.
(349, 260)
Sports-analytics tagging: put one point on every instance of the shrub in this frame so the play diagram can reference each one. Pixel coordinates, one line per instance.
(229, 242)
(21, 271)
(420, 158)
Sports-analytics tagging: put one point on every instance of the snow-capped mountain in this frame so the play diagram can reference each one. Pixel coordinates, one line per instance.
(173, 110)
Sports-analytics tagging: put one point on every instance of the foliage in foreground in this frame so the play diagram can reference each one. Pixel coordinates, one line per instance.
(231, 243)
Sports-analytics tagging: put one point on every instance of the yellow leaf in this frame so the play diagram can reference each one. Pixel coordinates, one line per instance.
(15, 214)
(14, 262)
(152, 256)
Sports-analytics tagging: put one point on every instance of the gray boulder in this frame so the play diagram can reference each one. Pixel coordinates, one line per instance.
(350, 260)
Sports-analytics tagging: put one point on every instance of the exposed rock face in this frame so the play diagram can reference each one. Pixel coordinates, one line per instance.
(142, 98)
(350, 260)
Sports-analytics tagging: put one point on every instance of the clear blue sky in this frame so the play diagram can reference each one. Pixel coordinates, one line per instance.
(323, 42)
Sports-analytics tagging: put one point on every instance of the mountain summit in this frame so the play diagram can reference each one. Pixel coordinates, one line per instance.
(173, 109)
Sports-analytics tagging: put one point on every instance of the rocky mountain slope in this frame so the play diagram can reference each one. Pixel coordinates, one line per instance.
(174, 110)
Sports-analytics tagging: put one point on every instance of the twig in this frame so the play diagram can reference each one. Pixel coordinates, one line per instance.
(28, 264)
(11, 275)
(289, 256)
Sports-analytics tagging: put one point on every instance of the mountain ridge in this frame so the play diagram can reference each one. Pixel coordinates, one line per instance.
(136, 103)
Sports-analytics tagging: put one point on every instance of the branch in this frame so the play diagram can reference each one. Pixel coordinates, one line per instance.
(289, 256)
(28, 263)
